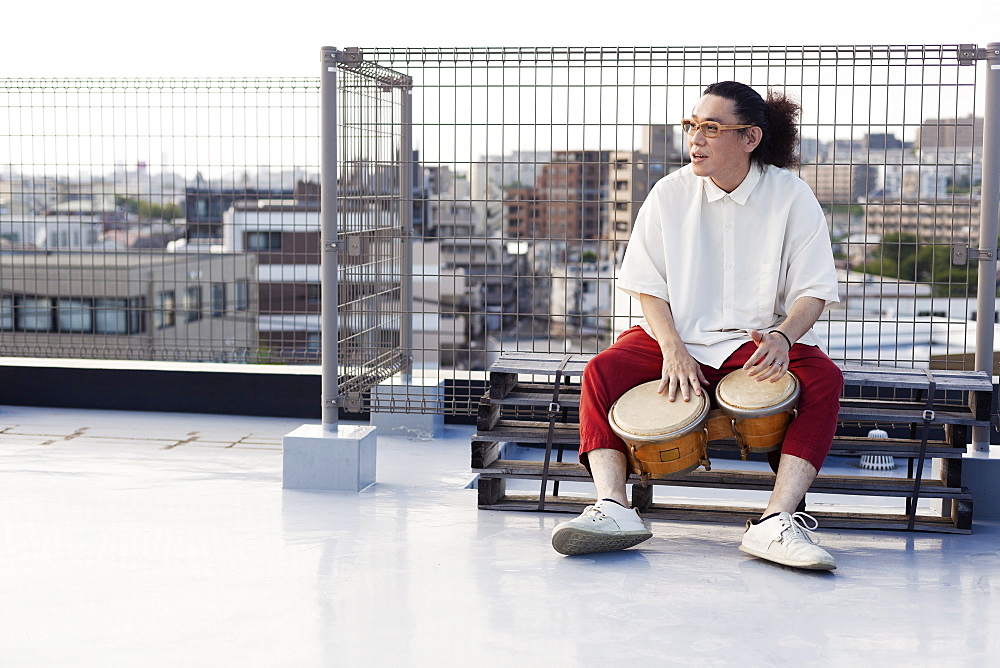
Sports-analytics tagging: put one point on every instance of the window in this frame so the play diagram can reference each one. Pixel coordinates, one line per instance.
(218, 300)
(621, 185)
(263, 241)
(74, 315)
(136, 319)
(111, 316)
(621, 206)
(313, 294)
(6, 313)
(163, 310)
(34, 315)
(192, 303)
(242, 296)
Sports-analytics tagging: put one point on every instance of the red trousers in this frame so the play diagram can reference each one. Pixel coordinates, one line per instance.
(635, 358)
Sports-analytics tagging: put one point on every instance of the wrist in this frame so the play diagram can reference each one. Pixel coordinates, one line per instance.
(783, 336)
(672, 347)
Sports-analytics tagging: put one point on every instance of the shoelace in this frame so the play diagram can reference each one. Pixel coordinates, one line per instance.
(803, 525)
(592, 511)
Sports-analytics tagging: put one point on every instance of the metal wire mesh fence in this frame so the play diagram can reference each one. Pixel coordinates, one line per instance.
(536, 160)
(136, 219)
(179, 219)
(373, 215)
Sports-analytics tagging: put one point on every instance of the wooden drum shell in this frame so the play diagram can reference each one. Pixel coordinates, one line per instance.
(660, 442)
(761, 427)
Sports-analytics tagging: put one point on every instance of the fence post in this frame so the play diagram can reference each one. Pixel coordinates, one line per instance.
(989, 222)
(329, 331)
(406, 227)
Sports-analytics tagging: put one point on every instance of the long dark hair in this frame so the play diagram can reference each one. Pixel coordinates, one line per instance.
(777, 118)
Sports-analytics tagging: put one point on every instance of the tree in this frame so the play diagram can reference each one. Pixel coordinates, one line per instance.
(904, 257)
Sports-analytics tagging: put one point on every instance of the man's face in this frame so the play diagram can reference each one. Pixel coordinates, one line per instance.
(725, 158)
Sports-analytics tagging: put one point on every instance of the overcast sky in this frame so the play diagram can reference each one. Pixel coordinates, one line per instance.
(207, 38)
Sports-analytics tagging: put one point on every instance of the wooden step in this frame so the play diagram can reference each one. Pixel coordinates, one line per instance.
(738, 516)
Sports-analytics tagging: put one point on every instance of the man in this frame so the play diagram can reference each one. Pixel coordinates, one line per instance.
(731, 262)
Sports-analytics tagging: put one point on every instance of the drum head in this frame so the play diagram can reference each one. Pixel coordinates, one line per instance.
(643, 413)
(741, 390)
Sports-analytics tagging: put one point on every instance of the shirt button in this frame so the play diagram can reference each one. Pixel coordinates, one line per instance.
(729, 265)
(729, 304)
(729, 224)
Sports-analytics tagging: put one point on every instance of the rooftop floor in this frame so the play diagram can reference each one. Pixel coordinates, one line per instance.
(166, 539)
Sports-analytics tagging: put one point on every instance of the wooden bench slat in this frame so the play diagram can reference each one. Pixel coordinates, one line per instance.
(738, 480)
(854, 374)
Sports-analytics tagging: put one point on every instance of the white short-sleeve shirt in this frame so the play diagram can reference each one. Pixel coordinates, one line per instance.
(729, 262)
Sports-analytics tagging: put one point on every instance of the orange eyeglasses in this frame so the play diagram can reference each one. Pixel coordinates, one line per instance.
(708, 128)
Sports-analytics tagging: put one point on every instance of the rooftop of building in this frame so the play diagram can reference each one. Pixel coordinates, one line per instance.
(140, 538)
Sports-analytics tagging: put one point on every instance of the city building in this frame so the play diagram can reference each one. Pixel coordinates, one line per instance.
(628, 185)
(572, 188)
(522, 212)
(950, 133)
(632, 175)
(129, 305)
(204, 206)
(285, 236)
(56, 232)
(939, 221)
(841, 183)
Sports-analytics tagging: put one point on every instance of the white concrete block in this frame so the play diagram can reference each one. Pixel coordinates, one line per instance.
(318, 459)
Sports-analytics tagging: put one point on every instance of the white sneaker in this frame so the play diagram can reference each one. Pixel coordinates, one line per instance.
(787, 539)
(605, 526)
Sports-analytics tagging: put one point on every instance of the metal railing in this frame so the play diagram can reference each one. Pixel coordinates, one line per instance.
(536, 161)
(478, 201)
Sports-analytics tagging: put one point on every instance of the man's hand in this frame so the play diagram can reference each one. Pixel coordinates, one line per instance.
(770, 360)
(680, 372)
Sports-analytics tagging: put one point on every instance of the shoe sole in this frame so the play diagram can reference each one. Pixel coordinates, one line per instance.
(812, 566)
(572, 541)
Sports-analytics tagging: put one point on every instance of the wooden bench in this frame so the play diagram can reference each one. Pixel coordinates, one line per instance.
(521, 398)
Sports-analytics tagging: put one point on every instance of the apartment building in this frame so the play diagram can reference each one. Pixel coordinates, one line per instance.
(523, 213)
(572, 188)
(628, 181)
(632, 175)
(840, 183)
(205, 206)
(944, 133)
(284, 234)
(129, 305)
(939, 221)
(53, 232)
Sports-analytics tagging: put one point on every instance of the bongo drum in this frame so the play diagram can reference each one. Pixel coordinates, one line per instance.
(664, 438)
(759, 412)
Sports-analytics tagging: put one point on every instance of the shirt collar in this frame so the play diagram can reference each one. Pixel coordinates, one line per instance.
(742, 192)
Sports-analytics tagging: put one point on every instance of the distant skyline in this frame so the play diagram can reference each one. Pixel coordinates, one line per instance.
(211, 39)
